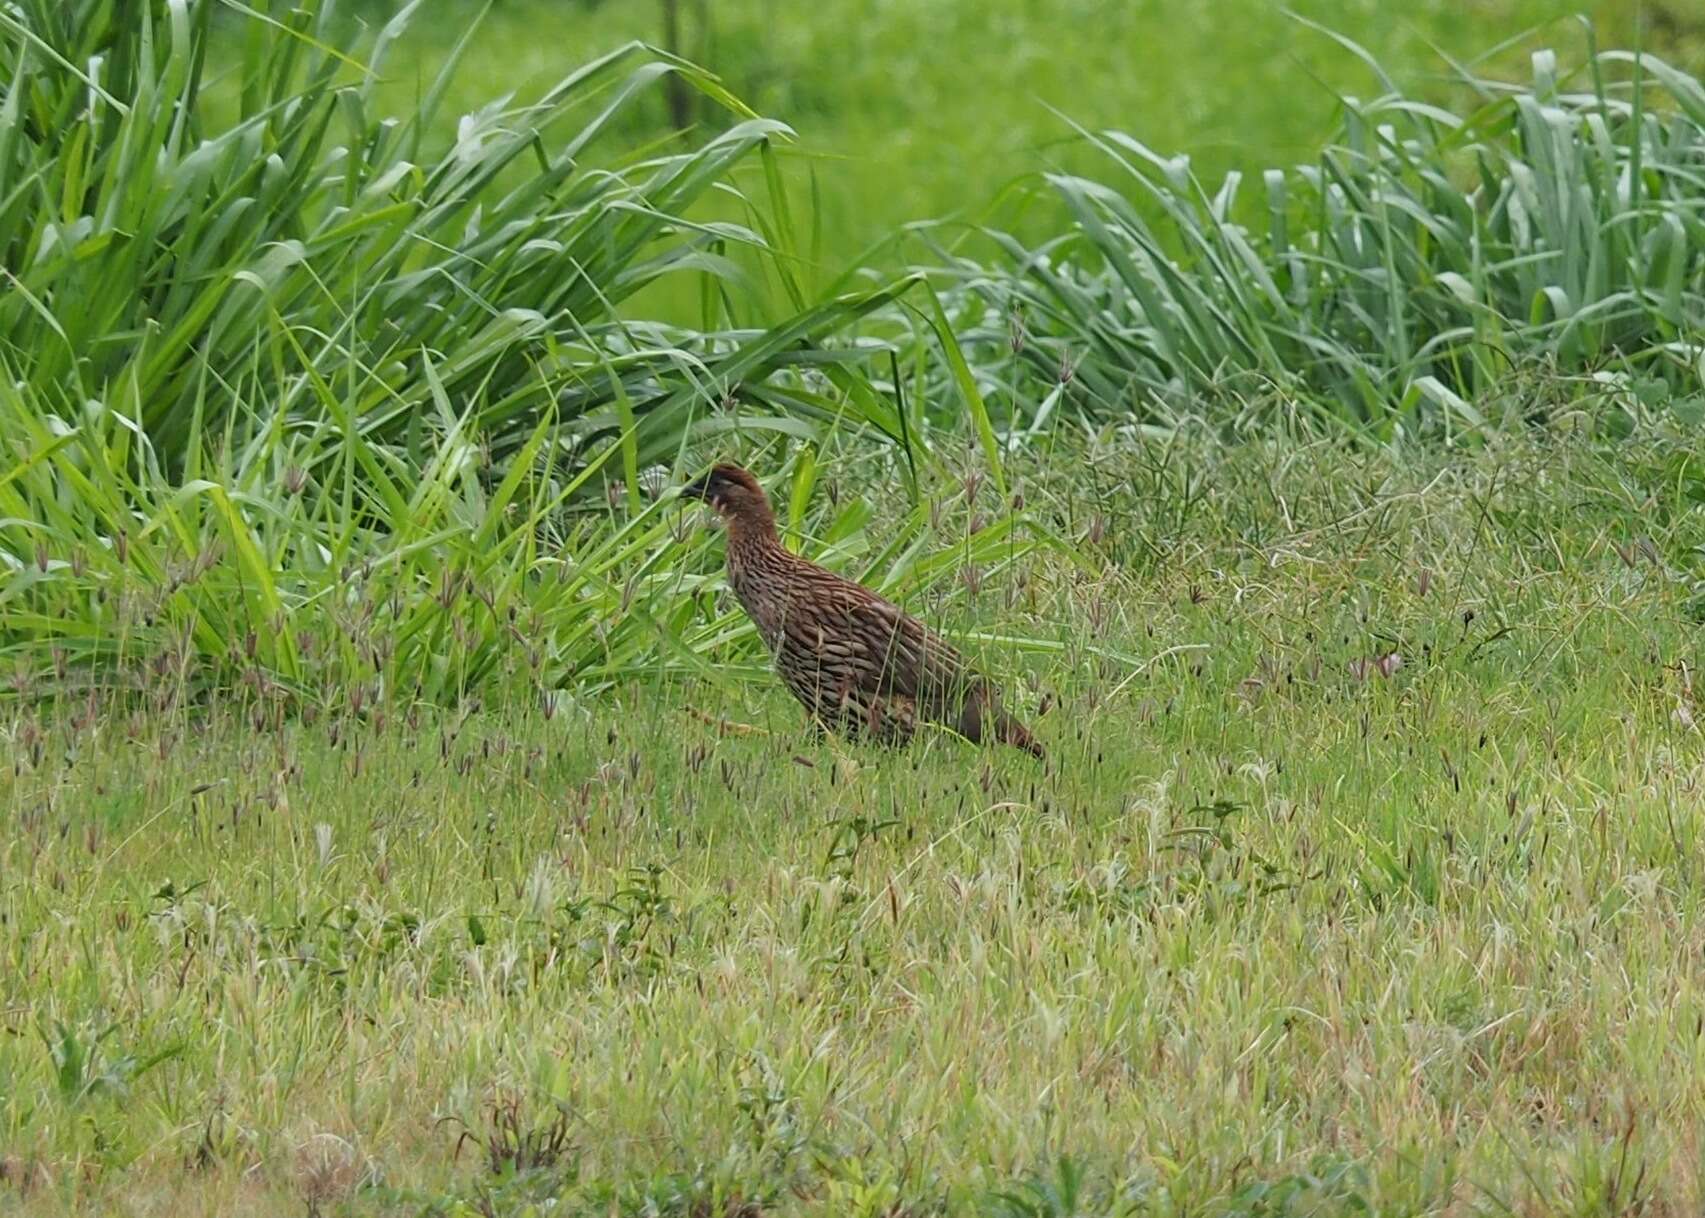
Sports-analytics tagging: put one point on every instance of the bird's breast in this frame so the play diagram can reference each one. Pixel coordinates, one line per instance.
(764, 592)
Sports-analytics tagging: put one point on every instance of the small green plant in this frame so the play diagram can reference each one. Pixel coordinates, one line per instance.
(86, 1065)
(1058, 1194)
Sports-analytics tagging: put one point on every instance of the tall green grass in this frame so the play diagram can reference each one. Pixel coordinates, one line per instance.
(1394, 283)
(296, 395)
(312, 258)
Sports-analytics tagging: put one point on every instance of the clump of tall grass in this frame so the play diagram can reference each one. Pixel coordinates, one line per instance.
(291, 395)
(1395, 282)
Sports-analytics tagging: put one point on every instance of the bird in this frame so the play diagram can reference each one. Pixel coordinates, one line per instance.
(859, 664)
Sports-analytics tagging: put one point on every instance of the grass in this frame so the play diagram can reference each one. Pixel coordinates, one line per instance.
(912, 112)
(253, 360)
(398, 816)
(1284, 927)
(299, 394)
(1394, 283)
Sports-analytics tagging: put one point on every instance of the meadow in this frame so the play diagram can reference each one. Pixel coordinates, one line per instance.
(1370, 887)
(399, 816)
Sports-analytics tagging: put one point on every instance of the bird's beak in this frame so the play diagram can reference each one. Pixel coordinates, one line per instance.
(697, 489)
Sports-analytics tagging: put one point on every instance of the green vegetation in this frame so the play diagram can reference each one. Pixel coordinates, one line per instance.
(917, 111)
(302, 394)
(1394, 283)
(1274, 932)
(398, 817)
(264, 377)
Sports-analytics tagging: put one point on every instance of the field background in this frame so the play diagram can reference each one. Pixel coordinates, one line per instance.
(946, 108)
(398, 817)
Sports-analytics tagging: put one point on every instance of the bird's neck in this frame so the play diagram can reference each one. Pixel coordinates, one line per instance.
(753, 531)
(759, 567)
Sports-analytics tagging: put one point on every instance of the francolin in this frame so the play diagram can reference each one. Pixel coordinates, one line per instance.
(860, 665)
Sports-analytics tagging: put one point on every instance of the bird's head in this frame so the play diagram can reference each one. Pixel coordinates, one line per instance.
(732, 492)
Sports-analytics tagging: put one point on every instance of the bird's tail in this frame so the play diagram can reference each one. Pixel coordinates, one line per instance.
(1010, 731)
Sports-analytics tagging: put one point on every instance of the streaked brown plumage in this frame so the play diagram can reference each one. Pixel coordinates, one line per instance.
(859, 664)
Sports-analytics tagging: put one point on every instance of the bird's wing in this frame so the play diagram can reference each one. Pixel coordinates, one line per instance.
(890, 651)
